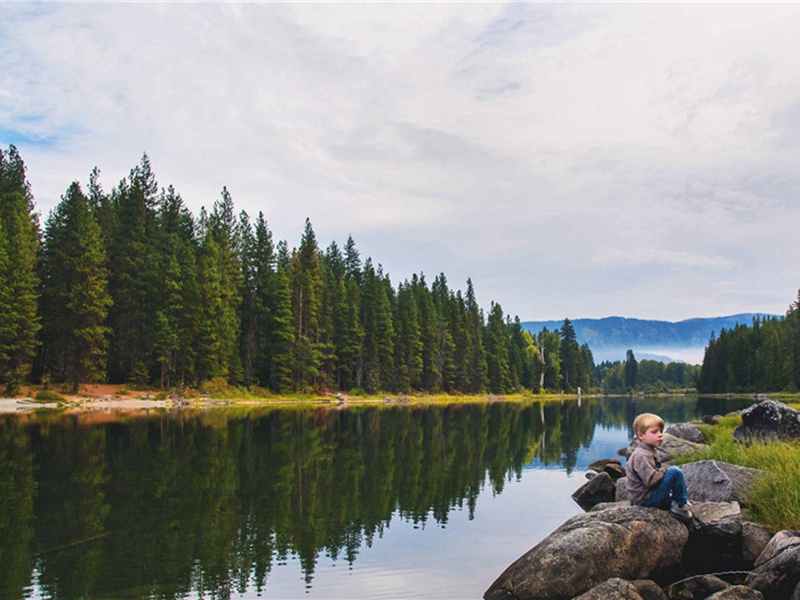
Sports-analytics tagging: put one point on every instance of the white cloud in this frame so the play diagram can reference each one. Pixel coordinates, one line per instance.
(581, 159)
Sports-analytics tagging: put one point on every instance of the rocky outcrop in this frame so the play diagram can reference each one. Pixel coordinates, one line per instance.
(777, 569)
(714, 481)
(768, 420)
(696, 588)
(629, 542)
(687, 431)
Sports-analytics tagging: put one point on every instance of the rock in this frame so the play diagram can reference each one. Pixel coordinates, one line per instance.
(590, 474)
(711, 419)
(716, 537)
(612, 589)
(737, 592)
(629, 542)
(607, 505)
(696, 588)
(687, 431)
(649, 590)
(777, 569)
(614, 471)
(670, 447)
(768, 420)
(612, 466)
(796, 595)
(713, 481)
(754, 539)
(600, 488)
(599, 465)
(623, 495)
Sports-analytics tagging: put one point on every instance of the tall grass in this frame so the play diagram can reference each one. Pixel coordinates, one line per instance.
(775, 499)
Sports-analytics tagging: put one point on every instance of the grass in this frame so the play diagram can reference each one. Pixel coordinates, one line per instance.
(775, 499)
(48, 396)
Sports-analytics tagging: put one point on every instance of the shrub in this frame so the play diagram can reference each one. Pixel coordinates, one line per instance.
(48, 396)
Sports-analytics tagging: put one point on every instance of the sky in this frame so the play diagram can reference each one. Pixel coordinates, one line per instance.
(573, 159)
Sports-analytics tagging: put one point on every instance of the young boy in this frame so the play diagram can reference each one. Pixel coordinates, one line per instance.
(649, 483)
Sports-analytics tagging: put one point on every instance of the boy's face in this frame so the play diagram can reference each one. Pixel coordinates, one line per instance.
(652, 436)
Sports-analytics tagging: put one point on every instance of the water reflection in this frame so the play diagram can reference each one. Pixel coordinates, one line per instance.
(103, 505)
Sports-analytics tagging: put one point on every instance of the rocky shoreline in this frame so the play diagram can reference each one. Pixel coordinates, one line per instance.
(618, 551)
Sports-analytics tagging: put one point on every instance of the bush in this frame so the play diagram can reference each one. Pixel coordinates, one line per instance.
(48, 396)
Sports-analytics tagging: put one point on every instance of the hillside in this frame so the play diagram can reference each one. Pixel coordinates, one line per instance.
(610, 337)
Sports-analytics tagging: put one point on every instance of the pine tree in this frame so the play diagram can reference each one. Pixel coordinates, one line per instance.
(280, 331)
(631, 369)
(306, 302)
(476, 354)
(75, 298)
(134, 279)
(499, 371)
(570, 357)
(19, 236)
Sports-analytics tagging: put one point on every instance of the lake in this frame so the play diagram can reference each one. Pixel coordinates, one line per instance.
(368, 502)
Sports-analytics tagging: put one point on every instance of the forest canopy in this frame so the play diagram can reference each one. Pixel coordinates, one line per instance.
(129, 286)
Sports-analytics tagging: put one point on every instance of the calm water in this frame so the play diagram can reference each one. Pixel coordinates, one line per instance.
(379, 502)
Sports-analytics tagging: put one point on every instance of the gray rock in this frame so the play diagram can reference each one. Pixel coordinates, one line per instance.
(769, 420)
(607, 505)
(711, 419)
(600, 488)
(796, 595)
(754, 539)
(649, 590)
(629, 542)
(777, 570)
(713, 481)
(599, 465)
(670, 447)
(612, 589)
(737, 592)
(622, 495)
(715, 539)
(696, 588)
(687, 431)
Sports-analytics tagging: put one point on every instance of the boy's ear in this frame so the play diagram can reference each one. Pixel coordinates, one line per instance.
(639, 435)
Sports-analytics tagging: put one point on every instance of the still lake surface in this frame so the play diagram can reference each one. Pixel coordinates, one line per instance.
(368, 502)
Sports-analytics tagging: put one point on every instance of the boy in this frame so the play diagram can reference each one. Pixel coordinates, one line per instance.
(649, 483)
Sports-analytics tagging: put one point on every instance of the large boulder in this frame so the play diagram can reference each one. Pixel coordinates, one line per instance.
(670, 447)
(768, 420)
(612, 589)
(686, 431)
(716, 537)
(649, 590)
(622, 495)
(629, 542)
(777, 570)
(714, 481)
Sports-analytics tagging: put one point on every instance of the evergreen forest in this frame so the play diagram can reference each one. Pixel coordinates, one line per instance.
(761, 357)
(128, 286)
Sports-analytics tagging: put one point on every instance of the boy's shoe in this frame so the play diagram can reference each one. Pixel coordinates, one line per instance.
(681, 512)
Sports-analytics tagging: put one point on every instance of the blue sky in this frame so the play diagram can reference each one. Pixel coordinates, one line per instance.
(580, 160)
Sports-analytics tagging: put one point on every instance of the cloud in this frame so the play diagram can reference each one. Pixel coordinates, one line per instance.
(581, 159)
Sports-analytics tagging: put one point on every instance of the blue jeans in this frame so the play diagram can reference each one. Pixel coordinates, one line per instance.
(671, 488)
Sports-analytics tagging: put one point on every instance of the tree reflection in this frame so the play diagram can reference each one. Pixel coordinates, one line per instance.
(208, 502)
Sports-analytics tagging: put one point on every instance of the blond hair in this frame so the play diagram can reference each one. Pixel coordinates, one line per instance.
(647, 420)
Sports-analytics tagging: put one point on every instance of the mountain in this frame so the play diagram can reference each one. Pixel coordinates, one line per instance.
(611, 337)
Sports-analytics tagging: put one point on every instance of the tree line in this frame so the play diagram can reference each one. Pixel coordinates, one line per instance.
(130, 287)
(763, 356)
(646, 375)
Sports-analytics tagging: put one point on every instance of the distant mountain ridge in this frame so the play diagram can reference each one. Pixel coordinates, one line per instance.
(610, 337)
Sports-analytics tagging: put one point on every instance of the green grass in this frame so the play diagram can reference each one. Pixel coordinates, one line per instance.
(775, 499)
